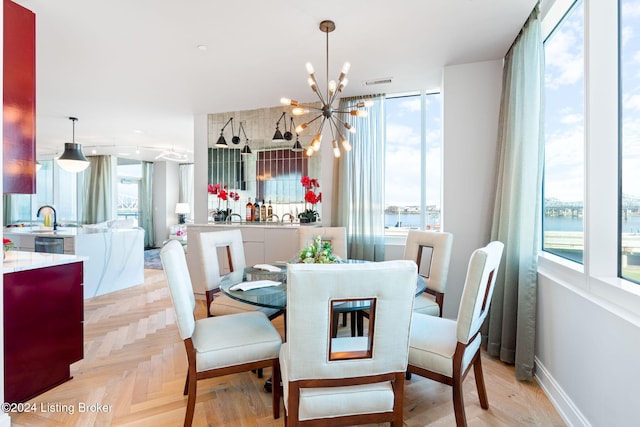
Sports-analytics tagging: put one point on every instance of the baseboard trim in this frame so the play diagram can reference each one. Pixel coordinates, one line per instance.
(559, 399)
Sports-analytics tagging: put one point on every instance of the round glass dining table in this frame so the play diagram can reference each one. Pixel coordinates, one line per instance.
(276, 296)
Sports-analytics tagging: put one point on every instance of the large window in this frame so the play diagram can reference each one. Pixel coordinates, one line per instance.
(630, 141)
(563, 188)
(129, 177)
(413, 159)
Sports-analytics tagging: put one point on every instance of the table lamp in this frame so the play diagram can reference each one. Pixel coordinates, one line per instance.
(182, 209)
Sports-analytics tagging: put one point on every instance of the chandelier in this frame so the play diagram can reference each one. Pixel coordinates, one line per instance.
(327, 112)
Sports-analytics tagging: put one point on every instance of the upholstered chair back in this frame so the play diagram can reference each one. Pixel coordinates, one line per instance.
(337, 236)
(231, 240)
(174, 264)
(310, 290)
(435, 246)
(478, 291)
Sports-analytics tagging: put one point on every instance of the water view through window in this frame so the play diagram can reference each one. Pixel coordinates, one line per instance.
(630, 142)
(413, 159)
(563, 190)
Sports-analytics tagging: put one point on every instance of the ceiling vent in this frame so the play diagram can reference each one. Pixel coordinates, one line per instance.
(385, 80)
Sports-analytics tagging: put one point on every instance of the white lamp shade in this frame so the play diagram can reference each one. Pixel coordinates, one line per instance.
(182, 208)
(72, 159)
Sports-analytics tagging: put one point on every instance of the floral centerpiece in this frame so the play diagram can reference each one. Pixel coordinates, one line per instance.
(222, 194)
(318, 252)
(310, 198)
(7, 244)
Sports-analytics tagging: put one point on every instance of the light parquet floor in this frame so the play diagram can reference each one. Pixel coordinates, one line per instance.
(134, 369)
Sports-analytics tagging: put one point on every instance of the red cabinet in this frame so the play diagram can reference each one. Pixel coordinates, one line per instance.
(43, 328)
(19, 100)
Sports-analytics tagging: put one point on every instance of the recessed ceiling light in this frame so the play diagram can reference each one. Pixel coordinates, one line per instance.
(202, 47)
(94, 151)
(138, 131)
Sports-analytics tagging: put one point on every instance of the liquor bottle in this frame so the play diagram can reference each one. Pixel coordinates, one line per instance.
(256, 211)
(263, 211)
(270, 211)
(249, 213)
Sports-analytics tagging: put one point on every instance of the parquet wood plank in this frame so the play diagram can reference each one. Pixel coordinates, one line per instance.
(135, 361)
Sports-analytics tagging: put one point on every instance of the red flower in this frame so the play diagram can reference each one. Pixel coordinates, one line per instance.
(213, 189)
(306, 182)
(6, 241)
(312, 198)
(234, 196)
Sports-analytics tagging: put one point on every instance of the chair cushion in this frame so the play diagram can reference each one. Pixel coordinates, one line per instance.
(234, 339)
(223, 305)
(329, 402)
(426, 304)
(432, 344)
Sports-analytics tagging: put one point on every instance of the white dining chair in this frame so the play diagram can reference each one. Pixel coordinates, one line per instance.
(444, 350)
(222, 345)
(336, 380)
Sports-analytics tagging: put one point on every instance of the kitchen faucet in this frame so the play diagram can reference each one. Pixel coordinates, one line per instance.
(55, 222)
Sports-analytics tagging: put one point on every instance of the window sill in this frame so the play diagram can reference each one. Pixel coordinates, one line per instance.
(620, 297)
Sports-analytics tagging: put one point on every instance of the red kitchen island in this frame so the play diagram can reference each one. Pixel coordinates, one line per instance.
(43, 321)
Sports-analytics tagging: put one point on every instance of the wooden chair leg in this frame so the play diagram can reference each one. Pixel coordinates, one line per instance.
(407, 375)
(482, 391)
(275, 374)
(191, 402)
(458, 403)
(186, 385)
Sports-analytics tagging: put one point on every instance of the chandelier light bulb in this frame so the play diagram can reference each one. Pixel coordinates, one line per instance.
(309, 152)
(309, 67)
(336, 150)
(359, 113)
(312, 84)
(301, 127)
(332, 86)
(342, 84)
(298, 111)
(346, 67)
(345, 144)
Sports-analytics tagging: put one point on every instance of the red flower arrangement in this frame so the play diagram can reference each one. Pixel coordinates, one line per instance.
(222, 193)
(310, 185)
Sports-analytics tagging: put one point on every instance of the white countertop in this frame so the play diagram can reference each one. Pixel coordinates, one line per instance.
(21, 261)
(63, 231)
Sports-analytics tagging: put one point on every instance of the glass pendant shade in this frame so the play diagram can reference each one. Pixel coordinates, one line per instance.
(72, 159)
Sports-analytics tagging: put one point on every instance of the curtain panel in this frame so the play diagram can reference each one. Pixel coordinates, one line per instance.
(510, 329)
(98, 190)
(146, 204)
(358, 182)
(185, 193)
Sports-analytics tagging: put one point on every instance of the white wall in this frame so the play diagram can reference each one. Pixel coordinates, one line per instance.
(471, 103)
(165, 196)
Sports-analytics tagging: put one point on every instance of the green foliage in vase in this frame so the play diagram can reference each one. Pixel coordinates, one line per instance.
(318, 252)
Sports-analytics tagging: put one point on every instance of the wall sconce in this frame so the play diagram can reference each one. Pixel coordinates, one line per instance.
(182, 209)
(222, 143)
(246, 150)
(277, 136)
(72, 159)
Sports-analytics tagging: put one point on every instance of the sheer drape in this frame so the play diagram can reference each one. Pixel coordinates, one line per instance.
(185, 194)
(98, 190)
(358, 183)
(511, 326)
(146, 204)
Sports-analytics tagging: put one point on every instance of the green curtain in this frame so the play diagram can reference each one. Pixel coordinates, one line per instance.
(358, 183)
(6, 212)
(509, 332)
(146, 204)
(185, 194)
(98, 190)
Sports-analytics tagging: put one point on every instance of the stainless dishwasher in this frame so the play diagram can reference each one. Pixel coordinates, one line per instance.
(52, 245)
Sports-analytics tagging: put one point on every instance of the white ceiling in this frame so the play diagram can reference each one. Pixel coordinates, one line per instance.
(132, 73)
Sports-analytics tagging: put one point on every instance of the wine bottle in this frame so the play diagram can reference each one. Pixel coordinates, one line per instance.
(270, 211)
(256, 211)
(249, 211)
(263, 211)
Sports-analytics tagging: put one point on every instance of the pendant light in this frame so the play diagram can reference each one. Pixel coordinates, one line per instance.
(328, 112)
(222, 143)
(246, 150)
(277, 136)
(72, 159)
